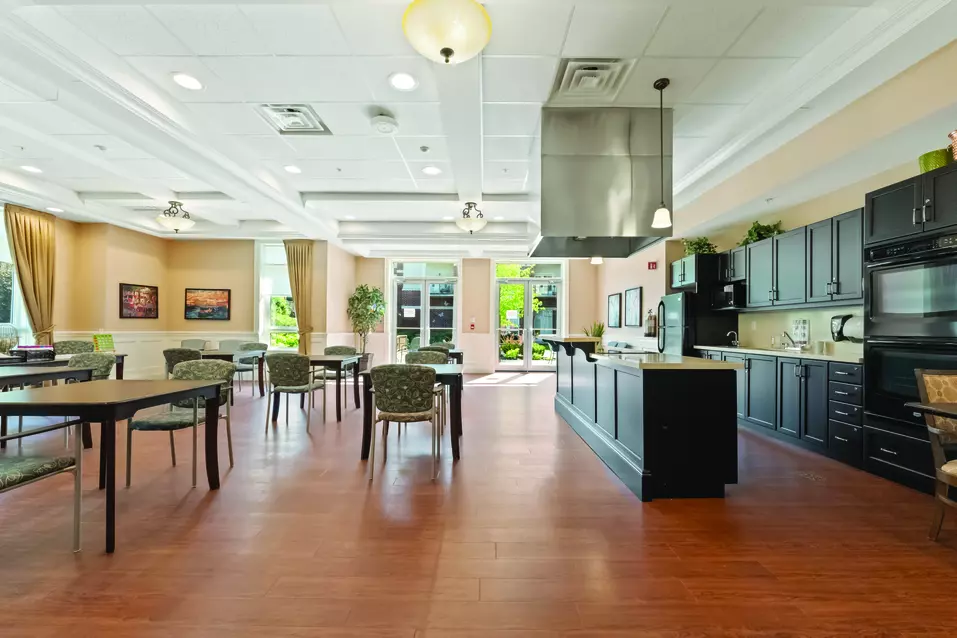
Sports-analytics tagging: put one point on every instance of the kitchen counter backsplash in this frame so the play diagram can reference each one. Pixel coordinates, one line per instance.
(756, 329)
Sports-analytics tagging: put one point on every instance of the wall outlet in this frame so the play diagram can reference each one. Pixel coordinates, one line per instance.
(754, 326)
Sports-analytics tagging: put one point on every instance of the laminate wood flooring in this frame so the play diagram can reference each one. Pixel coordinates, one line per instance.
(528, 536)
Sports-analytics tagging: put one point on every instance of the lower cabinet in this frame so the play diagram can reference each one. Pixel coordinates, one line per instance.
(789, 397)
(742, 386)
(802, 400)
(761, 393)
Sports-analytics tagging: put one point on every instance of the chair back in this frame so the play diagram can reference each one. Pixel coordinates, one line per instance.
(193, 344)
(434, 349)
(938, 386)
(403, 388)
(426, 356)
(101, 362)
(179, 355)
(205, 370)
(288, 369)
(414, 344)
(72, 347)
(252, 345)
(444, 345)
(341, 350)
(230, 345)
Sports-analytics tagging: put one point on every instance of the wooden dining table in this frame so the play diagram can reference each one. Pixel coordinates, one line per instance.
(60, 360)
(259, 355)
(449, 374)
(19, 376)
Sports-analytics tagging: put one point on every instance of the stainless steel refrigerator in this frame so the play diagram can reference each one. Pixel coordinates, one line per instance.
(686, 320)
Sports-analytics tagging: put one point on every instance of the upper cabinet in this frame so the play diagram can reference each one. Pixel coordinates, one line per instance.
(732, 265)
(693, 270)
(776, 270)
(835, 259)
(925, 203)
(760, 279)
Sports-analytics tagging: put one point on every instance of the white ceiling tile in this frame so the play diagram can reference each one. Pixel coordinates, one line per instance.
(212, 29)
(417, 119)
(160, 70)
(688, 153)
(511, 119)
(437, 186)
(236, 119)
(149, 169)
(374, 30)
(272, 146)
(103, 184)
(378, 70)
(685, 75)
(355, 185)
(344, 147)
(527, 28)
(517, 79)
(15, 144)
(411, 148)
(297, 29)
(506, 170)
(416, 168)
(346, 119)
(507, 148)
(704, 29)
(292, 78)
(504, 186)
(350, 169)
(10, 93)
(697, 121)
(790, 31)
(113, 147)
(57, 168)
(620, 30)
(739, 80)
(48, 118)
(125, 30)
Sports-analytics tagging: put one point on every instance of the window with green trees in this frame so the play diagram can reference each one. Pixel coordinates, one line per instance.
(282, 319)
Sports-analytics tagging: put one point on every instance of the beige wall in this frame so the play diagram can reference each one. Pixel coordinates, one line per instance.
(66, 314)
(584, 307)
(212, 264)
(340, 284)
(755, 329)
(476, 294)
(320, 269)
(617, 275)
(135, 258)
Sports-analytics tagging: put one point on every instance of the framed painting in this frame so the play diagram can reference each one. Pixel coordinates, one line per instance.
(139, 302)
(633, 307)
(212, 304)
(614, 310)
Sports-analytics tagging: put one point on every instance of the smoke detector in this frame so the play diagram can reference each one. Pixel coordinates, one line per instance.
(385, 125)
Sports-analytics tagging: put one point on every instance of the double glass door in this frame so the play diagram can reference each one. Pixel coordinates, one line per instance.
(527, 311)
(425, 313)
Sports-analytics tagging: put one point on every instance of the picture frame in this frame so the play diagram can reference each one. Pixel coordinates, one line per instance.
(207, 304)
(633, 299)
(614, 310)
(139, 302)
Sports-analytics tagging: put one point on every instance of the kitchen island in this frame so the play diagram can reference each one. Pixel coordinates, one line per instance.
(665, 425)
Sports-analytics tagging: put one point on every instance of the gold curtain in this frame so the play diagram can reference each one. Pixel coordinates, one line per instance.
(32, 237)
(299, 262)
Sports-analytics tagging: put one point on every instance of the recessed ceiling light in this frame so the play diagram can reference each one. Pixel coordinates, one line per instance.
(54, 210)
(187, 81)
(350, 217)
(403, 82)
(498, 219)
(432, 171)
(31, 169)
(295, 170)
(448, 219)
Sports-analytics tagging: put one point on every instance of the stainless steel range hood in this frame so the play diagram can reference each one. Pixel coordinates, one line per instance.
(601, 181)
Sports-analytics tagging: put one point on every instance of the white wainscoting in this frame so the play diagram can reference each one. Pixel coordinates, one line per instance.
(481, 351)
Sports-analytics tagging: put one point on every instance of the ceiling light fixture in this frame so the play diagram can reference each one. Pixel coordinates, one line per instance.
(350, 217)
(432, 171)
(469, 223)
(447, 31)
(447, 218)
(597, 261)
(31, 169)
(498, 219)
(54, 210)
(662, 217)
(187, 81)
(295, 170)
(170, 218)
(403, 82)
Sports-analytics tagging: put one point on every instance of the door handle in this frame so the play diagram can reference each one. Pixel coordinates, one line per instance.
(843, 394)
(885, 450)
(841, 438)
(836, 287)
(827, 288)
(841, 413)
(843, 374)
(923, 211)
(913, 219)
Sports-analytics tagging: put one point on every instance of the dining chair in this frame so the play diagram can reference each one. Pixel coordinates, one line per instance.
(405, 394)
(72, 347)
(248, 364)
(102, 364)
(321, 372)
(445, 345)
(230, 345)
(434, 348)
(175, 356)
(290, 373)
(940, 386)
(429, 356)
(193, 344)
(187, 413)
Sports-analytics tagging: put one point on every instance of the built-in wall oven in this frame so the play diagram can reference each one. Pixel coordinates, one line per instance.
(889, 380)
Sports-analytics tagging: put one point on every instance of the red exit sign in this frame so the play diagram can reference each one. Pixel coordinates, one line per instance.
(652, 265)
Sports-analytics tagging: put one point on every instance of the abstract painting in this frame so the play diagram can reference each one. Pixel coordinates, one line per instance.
(139, 302)
(614, 310)
(208, 303)
(633, 307)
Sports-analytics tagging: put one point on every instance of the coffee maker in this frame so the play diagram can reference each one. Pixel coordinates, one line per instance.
(847, 328)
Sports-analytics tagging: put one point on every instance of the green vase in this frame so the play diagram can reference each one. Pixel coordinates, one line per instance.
(934, 159)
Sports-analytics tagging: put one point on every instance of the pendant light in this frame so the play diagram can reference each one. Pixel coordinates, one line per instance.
(597, 261)
(662, 217)
(447, 31)
(170, 218)
(469, 223)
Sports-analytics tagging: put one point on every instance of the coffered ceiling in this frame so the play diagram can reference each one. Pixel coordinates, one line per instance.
(87, 96)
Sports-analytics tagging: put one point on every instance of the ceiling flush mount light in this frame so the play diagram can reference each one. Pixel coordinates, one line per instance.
(187, 81)
(432, 171)
(31, 169)
(447, 31)
(662, 217)
(470, 223)
(403, 82)
(597, 261)
(295, 170)
(447, 218)
(54, 210)
(175, 218)
(498, 219)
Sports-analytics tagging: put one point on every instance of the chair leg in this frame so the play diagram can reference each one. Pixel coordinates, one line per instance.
(195, 428)
(323, 399)
(288, 398)
(129, 454)
(937, 521)
(385, 429)
(434, 423)
(172, 448)
(268, 408)
(372, 450)
(77, 488)
(309, 413)
(229, 435)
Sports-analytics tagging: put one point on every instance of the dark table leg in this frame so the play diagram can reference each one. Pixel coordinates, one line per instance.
(87, 433)
(339, 393)
(302, 401)
(275, 406)
(108, 463)
(456, 410)
(212, 443)
(103, 451)
(366, 419)
(119, 367)
(262, 376)
(355, 383)
(3, 431)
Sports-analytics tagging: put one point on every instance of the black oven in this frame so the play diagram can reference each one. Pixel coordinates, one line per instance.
(889, 380)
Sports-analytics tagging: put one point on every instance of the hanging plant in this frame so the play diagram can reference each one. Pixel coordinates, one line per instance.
(759, 231)
(699, 246)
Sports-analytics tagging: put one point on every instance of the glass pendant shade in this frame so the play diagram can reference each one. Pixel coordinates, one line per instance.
(175, 218)
(597, 261)
(471, 224)
(662, 218)
(447, 31)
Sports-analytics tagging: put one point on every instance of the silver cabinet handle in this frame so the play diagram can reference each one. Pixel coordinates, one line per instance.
(841, 438)
(883, 449)
(843, 374)
(913, 219)
(835, 287)
(923, 211)
(843, 394)
(841, 413)
(827, 289)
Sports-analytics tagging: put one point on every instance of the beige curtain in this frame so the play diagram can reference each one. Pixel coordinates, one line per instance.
(299, 262)
(32, 237)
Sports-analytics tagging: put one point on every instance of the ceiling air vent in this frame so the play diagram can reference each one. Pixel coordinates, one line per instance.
(293, 119)
(591, 80)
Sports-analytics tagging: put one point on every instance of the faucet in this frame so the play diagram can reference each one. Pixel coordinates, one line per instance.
(734, 342)
(790, 340)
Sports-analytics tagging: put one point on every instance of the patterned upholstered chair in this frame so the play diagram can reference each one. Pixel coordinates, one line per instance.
(429, 356)
(444, 345)
(404, 394)
(101, 362)
(175, 356)
(72, 347)
(248, 364)
(187, 413)
(434, 348)
(193, 344)
(321, 373)
(290, 373)
(940, 386)
(230, 345)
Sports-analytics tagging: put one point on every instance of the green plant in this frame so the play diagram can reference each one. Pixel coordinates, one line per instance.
(759, 231)
(597, 330)
(699, 246)
(366, 310)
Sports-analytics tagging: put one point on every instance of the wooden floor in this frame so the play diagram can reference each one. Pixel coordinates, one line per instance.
(528, 536)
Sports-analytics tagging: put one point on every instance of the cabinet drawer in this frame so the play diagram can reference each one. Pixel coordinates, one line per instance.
(845, 393)
(903, 451)
(846, 373)
(845, 413)
(846, 443)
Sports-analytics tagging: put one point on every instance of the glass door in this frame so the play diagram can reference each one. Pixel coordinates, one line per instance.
(527, 311)
(425, 314)
(408, 317)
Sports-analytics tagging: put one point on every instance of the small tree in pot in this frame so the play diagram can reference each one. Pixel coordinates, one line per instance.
(366, 310)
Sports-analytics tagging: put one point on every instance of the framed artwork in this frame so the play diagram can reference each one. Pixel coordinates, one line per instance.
(633, 307)
(614, 310)
(139, 302)
(212, 304)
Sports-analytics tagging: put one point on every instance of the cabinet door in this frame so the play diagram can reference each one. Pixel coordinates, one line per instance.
(814, 403)
(760, 275)
(893, 211)
(939, 204)
(676, 272)
(820, 258)
(790, 267)
(724, 267)
(848, 268)
(789, 397)
(742, 381)
(689, 269)
(762, 390)
(738, 264)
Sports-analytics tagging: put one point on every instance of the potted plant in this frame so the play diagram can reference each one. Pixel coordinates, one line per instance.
(699, 246)
(597, 330)
(759, 231)
(366, 310)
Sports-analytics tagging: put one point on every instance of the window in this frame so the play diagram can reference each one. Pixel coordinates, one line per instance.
(277, 319)
(12, 308)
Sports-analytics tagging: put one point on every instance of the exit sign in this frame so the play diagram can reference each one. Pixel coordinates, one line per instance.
(652, 265)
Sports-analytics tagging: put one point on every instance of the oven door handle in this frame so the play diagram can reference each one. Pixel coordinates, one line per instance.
(888, 342)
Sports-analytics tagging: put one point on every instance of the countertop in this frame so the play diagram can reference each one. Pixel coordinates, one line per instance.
(655, 361)
(785, 353)
(571, 339)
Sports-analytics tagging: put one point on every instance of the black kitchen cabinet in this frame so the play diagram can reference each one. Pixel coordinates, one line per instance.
(893, 211)
(761, 374)
(789, 397)
(938, 205)
(814, 390)
(760, 269)
(732, 265)
(742, 384)
(820, 261)
(835, 259)
(790, 269)
(692, 270)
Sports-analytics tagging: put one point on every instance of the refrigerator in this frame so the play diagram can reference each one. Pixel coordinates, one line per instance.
(686, 320)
